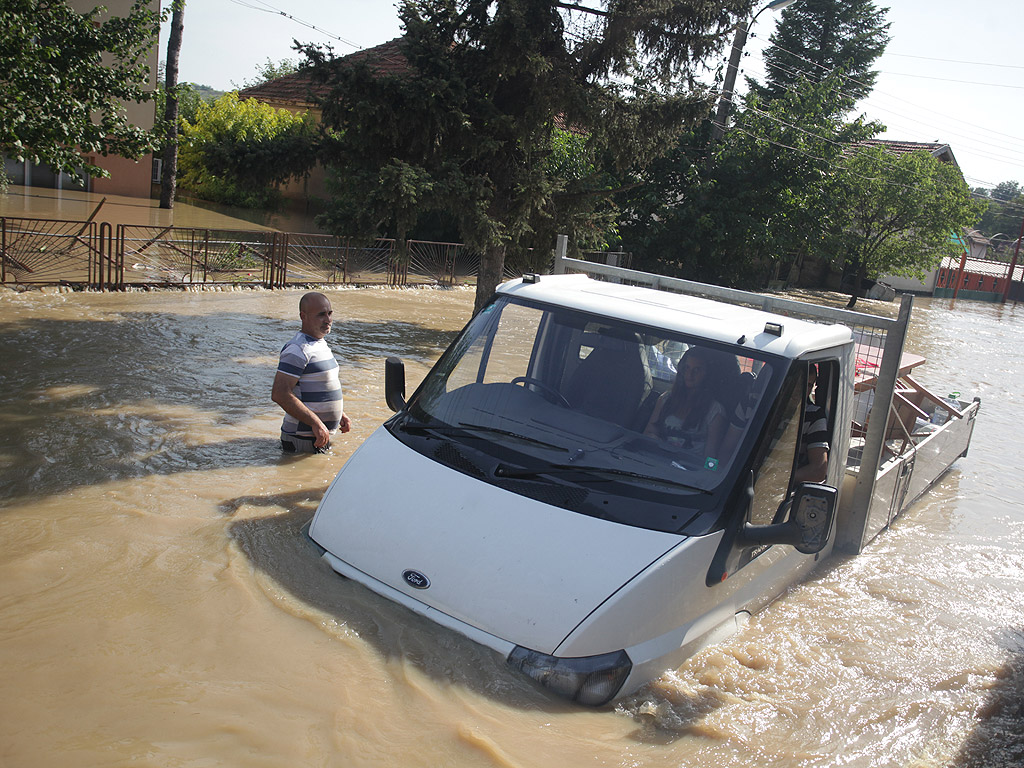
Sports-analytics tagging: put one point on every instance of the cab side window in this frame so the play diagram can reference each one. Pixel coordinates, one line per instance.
(799, 449)
(771, 486)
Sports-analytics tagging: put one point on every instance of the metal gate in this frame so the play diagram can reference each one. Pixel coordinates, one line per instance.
(34, 251)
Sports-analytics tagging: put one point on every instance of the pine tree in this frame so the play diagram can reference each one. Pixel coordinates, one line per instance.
(815, 38)
(468, 128)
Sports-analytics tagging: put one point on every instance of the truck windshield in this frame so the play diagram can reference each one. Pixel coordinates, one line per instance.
(634, 416)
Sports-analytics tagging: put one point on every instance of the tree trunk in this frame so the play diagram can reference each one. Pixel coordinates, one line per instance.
(169, 176)
(401, 257)
(858, 281)
(492, 265)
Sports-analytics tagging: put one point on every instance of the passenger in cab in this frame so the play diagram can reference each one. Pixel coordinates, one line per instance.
(689, 417)
(812, 463)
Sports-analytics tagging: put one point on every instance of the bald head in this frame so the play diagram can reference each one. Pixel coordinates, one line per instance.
(308, 297)
(316, 314)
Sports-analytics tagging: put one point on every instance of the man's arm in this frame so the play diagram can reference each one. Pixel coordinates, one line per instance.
(816, 468)
(283, 394)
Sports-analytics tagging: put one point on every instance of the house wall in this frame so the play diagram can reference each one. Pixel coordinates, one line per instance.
(130, 178)
(912, 284)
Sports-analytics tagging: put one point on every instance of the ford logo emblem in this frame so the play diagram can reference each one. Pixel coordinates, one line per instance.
(415, 579)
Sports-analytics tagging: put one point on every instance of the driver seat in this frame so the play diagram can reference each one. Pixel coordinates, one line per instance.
(613, 380)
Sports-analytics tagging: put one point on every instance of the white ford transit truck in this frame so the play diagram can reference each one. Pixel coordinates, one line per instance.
(520, 496)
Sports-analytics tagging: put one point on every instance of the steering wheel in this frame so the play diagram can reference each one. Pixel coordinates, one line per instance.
(555, 396)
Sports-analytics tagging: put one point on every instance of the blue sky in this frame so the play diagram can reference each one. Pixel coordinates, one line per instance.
(952, 72)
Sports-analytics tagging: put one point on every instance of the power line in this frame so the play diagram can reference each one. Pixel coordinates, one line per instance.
(1015, 157)
(950, 80)
(876, 92)
(956, 61)
(268, 8)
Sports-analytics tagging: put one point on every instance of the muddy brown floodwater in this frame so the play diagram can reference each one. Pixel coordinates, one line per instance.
(159, 605)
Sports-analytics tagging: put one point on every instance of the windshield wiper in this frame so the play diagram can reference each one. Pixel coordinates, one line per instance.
(556, 469)
(447, 429)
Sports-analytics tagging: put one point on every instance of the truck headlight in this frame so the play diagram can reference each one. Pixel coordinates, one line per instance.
(590, 680)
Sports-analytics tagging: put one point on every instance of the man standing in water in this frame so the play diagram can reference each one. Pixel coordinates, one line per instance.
(306, 385)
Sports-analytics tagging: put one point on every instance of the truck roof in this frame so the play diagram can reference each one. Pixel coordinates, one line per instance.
(712, 319)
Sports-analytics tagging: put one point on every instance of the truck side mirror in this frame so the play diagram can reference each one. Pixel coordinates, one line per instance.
(394, 383)
(812, 513)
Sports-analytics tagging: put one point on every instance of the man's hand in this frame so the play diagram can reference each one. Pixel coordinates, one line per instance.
(321, 437)
(346, 423)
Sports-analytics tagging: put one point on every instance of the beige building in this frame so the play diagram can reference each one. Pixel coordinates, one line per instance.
(131, 178)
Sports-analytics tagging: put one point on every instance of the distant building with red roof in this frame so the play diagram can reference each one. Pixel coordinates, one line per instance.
(936, 149)
(299, 92)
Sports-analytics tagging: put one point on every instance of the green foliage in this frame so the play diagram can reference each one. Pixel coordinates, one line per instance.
(237, 151)
(1004, 210)
(761, 198)
(581, 204)
(816, 39)
(271, 70)
(63, 78)
(1005, 191)
(469, 129)
(189, 99)
(896, 214)
(235, 257)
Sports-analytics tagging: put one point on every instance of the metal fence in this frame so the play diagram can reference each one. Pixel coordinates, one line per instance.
(91, 254)
(96, 255)
(979, 279)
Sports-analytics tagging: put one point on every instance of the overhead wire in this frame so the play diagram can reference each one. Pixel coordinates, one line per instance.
(970, 138)
(260, 5)
(1002, 147)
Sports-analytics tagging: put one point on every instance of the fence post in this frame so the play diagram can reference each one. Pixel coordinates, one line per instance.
(284, 242)
(561, 246)
(102, 253)
(1013, 263)
(341, 257)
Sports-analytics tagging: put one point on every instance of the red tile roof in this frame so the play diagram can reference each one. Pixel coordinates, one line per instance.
(939, 150)
(298, 88)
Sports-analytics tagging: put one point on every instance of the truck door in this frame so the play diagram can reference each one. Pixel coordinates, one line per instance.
(794, 447)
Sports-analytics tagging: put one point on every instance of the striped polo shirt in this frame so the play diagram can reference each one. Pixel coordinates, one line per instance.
(318, 387)
(814, 431)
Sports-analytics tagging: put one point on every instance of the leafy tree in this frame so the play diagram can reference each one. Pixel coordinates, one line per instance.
(897, 214)
(189, 99)
(270, 70)
(816, 38)
(1005, 191)
(1004, 210)
(237, 151)
(582, 206)
(64, 77)
(468, 126)
(763, 198)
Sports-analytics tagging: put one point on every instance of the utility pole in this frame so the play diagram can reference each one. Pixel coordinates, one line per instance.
(725, 100)
(1013, 264)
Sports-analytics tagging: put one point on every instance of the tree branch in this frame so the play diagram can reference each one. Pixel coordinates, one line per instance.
(582, 8)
